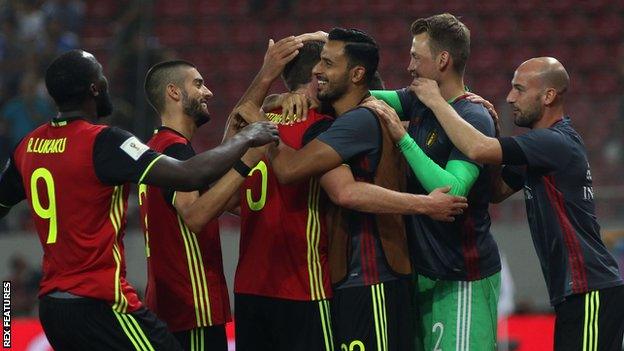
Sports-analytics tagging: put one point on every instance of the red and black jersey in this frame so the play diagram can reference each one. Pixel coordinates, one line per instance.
(186, 286)
(283, 245)
(73, 173)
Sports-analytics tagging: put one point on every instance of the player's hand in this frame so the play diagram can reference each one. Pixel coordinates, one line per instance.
(260, 133)
(278, 55)
(388, 116)
(295, 107)
(472, 97)
(316, 36)
(427, 91)
(250, 112)
(444, 207)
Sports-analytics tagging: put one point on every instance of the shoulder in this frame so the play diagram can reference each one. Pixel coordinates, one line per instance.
(475, 114)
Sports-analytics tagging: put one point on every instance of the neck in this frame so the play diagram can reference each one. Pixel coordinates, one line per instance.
(179, 122)
(86, 111)
(452, 87)
(551, 116)
(349, 100)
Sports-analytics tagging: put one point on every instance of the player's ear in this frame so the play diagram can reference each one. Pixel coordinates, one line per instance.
(444, 60)
(93, 90)
(358, 74)
(174, 92)
(549, 96)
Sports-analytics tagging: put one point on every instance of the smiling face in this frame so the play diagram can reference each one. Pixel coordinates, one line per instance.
(332, 72)
(526, 97)
(422, 61)
(195, 96)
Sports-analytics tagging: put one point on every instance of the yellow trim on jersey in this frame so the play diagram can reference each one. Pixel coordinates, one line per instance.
(116, 215)
(197, 274)
(133, 331)
(147, 169)
(313, 236)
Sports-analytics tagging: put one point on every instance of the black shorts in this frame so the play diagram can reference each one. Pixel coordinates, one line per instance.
(88, 324)
(593, 321)
(203, 339)
(376, 317)
(271, 324)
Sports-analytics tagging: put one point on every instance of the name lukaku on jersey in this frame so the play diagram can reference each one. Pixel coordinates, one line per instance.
(46, 146)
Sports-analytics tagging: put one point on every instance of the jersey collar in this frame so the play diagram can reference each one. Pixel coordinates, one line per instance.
(165, 128)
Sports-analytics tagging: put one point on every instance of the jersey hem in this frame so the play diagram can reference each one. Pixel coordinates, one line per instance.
(610, 284)
(434, 275)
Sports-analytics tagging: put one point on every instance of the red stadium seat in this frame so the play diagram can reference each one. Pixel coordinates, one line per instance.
(174, 34)
(536, 29)
(485, 59)
(181, 9)
(208, 32)
(210, 8)
(610, 26)
(282, 28)
(384, 7)
(593, 55)
(102, 9)
(563, 52)
(572, 27)
(498, 29)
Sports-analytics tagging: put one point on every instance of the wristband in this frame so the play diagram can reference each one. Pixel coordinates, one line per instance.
(242, 168)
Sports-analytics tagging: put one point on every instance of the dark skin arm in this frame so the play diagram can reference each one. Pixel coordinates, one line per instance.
(205, 168)
(292, 165)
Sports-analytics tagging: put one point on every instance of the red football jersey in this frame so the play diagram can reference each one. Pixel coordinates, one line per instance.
(186, 286)
(79, 218)
(283, 244)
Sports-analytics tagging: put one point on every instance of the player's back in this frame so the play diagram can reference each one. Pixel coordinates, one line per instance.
(78, 218)
(283, 251)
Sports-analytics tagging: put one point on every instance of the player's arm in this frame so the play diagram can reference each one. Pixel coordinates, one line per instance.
(345, 191)
(119, 157)
(197, 210)
(354, 133)
(465, 137)
(459, 175)
(11, 188)
(390, 97)
(276, 57)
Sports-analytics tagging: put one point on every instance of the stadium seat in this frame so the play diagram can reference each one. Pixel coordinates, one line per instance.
(572, 28)
(179, 9)
(210, 8)
(609, 26)
(174, 34)
(209, 32)
(384, 7)
(536, 28)
(102, 9)
(497, 29)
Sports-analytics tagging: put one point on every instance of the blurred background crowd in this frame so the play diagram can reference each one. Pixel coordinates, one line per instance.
(226, 39)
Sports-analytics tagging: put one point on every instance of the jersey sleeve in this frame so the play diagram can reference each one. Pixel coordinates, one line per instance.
(316, 129)
(513, 176)
(545, 148)
(353, 133)
(179, 151)
(120, 157)
(479, 118)
(11, 186)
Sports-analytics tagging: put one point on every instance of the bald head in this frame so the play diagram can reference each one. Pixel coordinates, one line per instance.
(548, 70)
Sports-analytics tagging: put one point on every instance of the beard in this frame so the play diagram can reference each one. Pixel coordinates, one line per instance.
(334, 91)
(193, 108)
(526, 118)
(103, 104)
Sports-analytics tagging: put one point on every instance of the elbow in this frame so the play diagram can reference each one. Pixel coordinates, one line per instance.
(285, 176)
(345, 197)
(194, 222)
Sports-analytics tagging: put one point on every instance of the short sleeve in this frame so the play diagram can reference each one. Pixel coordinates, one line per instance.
(316, 129)
(11, 186)
(119, 157)
(353, 133)
(480, 119)
(409, 101)
(514, 176)
(179, 151)
(545, 148)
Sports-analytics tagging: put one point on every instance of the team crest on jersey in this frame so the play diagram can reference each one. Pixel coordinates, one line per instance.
(432, 138)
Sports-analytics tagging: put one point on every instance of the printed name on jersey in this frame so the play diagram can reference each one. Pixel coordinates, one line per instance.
(134, 148)
(46, 146)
